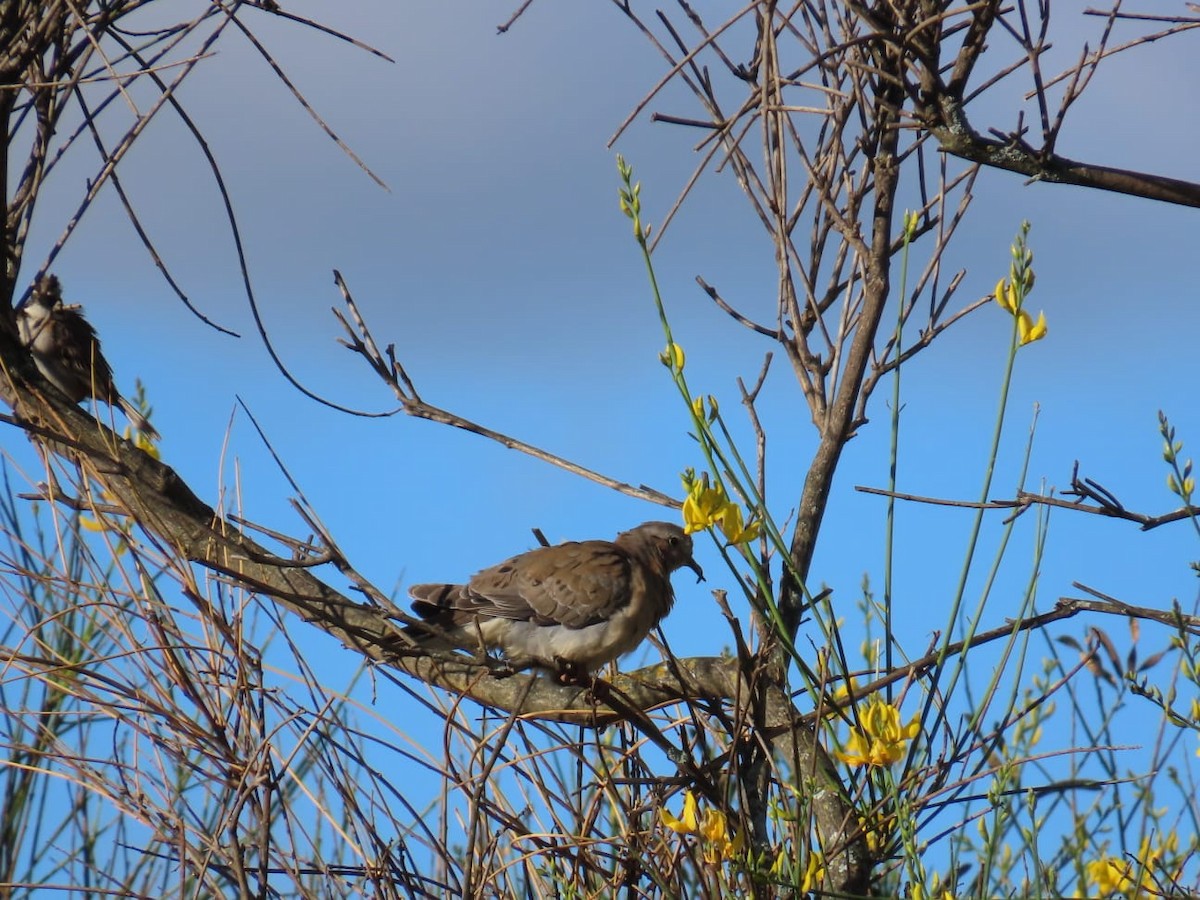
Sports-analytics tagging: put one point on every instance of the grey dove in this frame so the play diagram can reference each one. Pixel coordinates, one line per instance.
(569, 608)
(67, 352)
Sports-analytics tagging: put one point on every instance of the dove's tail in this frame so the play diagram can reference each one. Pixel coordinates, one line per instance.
(433, 603)
(137, 420)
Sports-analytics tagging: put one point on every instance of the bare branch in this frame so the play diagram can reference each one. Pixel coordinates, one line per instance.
(360, 341)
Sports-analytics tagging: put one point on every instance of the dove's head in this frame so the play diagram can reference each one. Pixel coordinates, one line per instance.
(46, 294)
(667, 542)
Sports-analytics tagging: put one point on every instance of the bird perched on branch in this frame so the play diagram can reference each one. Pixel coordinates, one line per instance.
(570, 608)
(67, 352)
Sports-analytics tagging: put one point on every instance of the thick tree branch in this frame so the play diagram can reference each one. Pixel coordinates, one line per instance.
(154, 495)
(946, 118)
(836, 429)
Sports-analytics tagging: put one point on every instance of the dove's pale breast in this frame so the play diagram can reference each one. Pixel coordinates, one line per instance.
(586, 617)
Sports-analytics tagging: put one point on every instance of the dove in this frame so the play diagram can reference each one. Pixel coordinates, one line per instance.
(67, 352)
(570, 608)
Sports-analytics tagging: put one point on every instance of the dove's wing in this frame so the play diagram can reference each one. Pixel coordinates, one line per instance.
(574, 584)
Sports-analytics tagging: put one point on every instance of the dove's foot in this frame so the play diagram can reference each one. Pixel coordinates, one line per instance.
(570, 673)
(502, 668)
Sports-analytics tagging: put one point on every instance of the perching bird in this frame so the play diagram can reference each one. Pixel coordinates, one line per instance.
(67, 352)
(570, 608)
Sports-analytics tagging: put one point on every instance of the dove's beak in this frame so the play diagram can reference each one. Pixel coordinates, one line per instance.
(695, 567)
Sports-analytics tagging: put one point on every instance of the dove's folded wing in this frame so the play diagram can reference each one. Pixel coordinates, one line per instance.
(574, 584)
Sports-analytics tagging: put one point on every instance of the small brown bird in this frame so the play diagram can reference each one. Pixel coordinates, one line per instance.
(67, 352)
(570, 608)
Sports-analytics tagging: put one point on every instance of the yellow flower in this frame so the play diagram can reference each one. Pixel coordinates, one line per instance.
(712, 829)
(1012, 292)
(779, 868)
(120, 527)
(673, 357)
(938, 892)
(1027, 330)
(712, 826)
(90, 524)
(876, 833)
(686, 825)
(1107, 876)
(879, 739)
(843, 690)
(1135, 880)
(717, 844)
(708, 505)
(736, 532)
(1006, 296)
(145, 444)
(814, 873)
(703, 506)
(1011, 302)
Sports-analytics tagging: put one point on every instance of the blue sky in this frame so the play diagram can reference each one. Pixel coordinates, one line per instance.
(500, 266)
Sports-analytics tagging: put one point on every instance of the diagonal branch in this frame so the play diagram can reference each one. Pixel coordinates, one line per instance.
(957, 137)
(388, 368)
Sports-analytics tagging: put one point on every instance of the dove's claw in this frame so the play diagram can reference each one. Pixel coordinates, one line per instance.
(569, 672)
